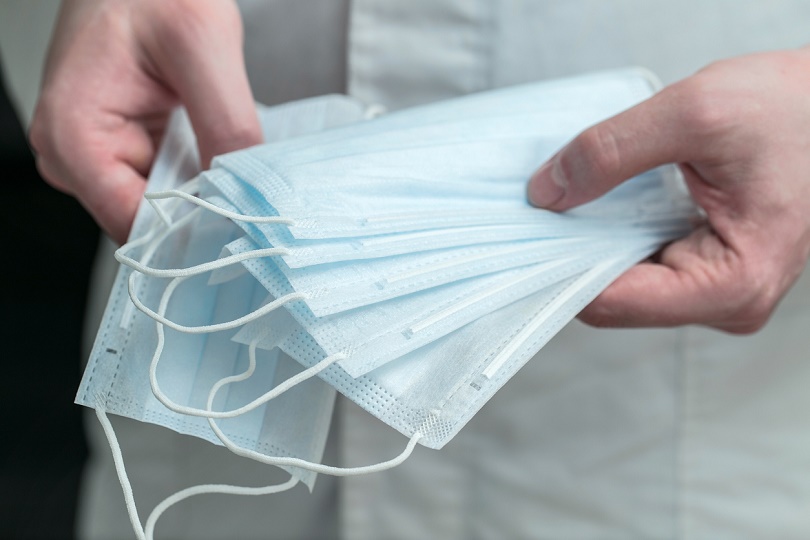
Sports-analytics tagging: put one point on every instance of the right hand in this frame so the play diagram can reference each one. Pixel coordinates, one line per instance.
(738, 131)
(115, 70)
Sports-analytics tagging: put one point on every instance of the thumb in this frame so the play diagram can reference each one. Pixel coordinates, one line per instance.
(607, 154)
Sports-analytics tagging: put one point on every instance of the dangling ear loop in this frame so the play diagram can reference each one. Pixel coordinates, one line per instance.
(289, 461)
(211, 415)
(208, 413)
(181, 275)
(168, 502)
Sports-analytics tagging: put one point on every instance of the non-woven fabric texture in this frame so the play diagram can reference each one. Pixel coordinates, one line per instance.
(398, 256)
(117, 375)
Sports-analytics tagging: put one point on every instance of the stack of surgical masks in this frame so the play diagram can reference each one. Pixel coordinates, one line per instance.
(395, 260)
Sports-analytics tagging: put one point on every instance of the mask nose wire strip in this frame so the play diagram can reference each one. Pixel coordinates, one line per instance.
(168, 502)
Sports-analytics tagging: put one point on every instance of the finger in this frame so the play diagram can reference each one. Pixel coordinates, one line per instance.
(609, 153)
(697, 282)
(205, 66)
(49, 174)
(134, 143)
(114, 201)
(119, 179)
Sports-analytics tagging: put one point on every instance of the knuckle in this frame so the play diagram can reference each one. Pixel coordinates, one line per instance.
(595, 320)
(243, 136)
(599, 315)
(757, 298)
(47, 174)
(598, 150)
(703, 109)
(39, 131)
(188, 22)
(235, 136)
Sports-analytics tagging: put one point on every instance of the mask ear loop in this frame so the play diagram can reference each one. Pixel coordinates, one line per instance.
(272, 394)
(172, 226)
(147, 533)
(149, 236)
(184, 192)
(181, 275)
(208, 413)
(188, 187)
(289, 461)
(221, 489)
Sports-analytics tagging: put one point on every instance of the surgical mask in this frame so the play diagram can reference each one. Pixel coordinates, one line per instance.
(338, 287)
(117, 376)
(485, 146)
(434, 391)
(300, 253)
(488, 323)
(385, 329)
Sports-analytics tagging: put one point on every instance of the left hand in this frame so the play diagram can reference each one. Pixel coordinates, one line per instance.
(739, 131)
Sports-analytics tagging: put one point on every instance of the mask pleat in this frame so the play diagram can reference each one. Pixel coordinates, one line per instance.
(395, 260)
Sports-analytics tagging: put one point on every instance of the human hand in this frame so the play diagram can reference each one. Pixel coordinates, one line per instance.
(115, 70)
(739, 131)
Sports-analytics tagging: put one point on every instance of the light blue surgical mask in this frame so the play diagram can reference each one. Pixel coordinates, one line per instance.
(474, 153)
(333, 288)
(532, 225)
(117, 378)
(387, 327)
(360, 341)
(370, 203)
(434, 391)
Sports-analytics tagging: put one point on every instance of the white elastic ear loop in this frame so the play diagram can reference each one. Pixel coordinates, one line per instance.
(123, 478)
(182, 193)
(297, 462)
(132, 511)
(199, 268)
(143, 265)
(264, 398)
(223, 489)
(181, 274)
(208, 328)
(149, 236)
(162, 321)
(210, 414)
(189, 187)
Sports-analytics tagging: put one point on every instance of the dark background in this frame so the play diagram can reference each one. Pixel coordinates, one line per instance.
(48, 243)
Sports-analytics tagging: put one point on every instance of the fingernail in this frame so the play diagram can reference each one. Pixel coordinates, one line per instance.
(547, 186)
